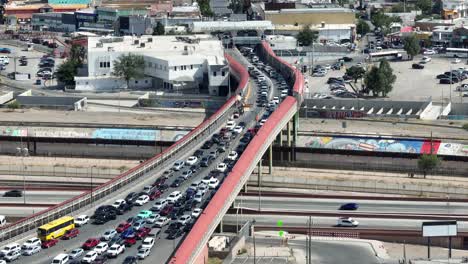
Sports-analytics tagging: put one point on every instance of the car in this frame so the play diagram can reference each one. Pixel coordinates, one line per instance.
(230, 125)
(425, 59)
(100, 259)
(198, 197)
(89, 257)
(31, 250)
(237, 129)
(186, 174)
(49, 243)
(148, 243)
(143, 253)
(109, 234)
(417, 66)
(130, 241)
(462, 88)
(175, 233)
(118, 203)
(142, 232)
(115, 250)
(81, 220)
(146, 190)
(349, 206)
(130, 260)
(177, 182)
(319, 74)
(178, 165)
(166, 210)
(213, 184)
(139, 224)
(13, 193)
(124, 208)
(222, 167)
(76, 253)
(192, 160)
(143, 199)
(429, 52)
(152, 219)
(90, 243)
(104, 217)
(128, 233)
(446, 81)
(174, 197)
(131, 197)
(101, 248)
(196, 212)
(205, 161)
(347, 222)
(122, 227)
(159, 204)
(72, 233)
(12, 256)
(161, 222)
(456, 60)
(232, 155)
(31, 242)
(184, 219)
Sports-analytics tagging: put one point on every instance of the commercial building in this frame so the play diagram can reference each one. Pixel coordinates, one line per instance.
(23, 13)
(452, 9)
(311, 16)
(442, 35)
(172, 63)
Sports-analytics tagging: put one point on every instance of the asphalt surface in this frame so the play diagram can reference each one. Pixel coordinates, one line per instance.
(39, 197)
(163, 247)
(365, 206)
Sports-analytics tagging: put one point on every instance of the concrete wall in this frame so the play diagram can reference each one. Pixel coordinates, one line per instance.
(6, 97)
(310, 18)
(110, 83)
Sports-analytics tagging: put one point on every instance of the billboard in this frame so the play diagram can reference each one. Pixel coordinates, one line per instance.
(439, 229)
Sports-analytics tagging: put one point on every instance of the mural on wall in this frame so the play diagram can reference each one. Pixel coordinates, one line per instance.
(388, 145)
(14, 132)
(127, 134)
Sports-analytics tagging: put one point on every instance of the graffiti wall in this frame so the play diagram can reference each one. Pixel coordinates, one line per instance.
(387, 145)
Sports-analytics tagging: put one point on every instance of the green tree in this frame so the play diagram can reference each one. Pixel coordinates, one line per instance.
(425, 6)
(77, 54)
(465, 126)
(383, 21)
(373, 81)
(129, 67)
(411, 45)
(428, 162)
(388, 78)
(398, 8)
(67, 71)
(159, 29)
(14, 105)
(205, 8)
(362, 28)
(437, 7)
(356, 72)
(306, 36)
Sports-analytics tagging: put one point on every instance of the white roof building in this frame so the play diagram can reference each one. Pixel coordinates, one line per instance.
(171, 63)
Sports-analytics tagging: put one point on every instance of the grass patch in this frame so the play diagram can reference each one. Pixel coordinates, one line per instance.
(214, 261)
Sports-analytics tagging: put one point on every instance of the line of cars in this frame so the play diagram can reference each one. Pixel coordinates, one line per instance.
(453, 76)
(337, 86)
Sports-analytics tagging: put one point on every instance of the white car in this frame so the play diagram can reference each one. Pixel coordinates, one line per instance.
(276, 100)
(101, 248)
(81, 220)
(456, 60)
(237, 129)
(198, 197)
(203, 188)
(14, 255)
(31, 242)
(213, 184)
(118, 203)
(162, 221)
(425, 59)
(230, 125)
(10, 248)
(192, 160)
(89, 257)
(429, 52)
(222, 167)
(178, 165)
(142, 200)
(115, 250)
(196, 212)
(76, 253)
(232, 155)
(148, 243)
(143, 253)
(159, 204)
(183, 220)
(152, 219)
(31, 250)
(262, 122)
(174, 197)
(206, 181)
(347, 222)
(109, 234)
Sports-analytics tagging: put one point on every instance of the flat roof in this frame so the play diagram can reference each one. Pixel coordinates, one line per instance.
(310, 10)
(207, 26)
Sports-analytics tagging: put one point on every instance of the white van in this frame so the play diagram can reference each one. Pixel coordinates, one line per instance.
(60, 259)
(4, 59)
(2, 220)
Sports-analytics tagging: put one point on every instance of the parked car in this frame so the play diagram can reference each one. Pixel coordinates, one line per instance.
(143, 253)
(122, 227)
(72, 233)
(417, 66)
(109, 234)
(49, 243)
(81, 220)
(31, 250)
(446, 81)
(31, 242)
(90, 243)
(76, 253)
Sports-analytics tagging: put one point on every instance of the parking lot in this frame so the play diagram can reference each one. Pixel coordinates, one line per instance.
(411, 84)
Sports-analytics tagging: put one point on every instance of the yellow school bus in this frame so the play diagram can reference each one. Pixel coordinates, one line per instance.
(56, 228)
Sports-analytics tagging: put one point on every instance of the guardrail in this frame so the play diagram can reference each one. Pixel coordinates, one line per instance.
(197, 238)
(182, 146)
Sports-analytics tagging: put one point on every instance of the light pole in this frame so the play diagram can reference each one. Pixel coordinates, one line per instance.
(23, 152)
(254, 244)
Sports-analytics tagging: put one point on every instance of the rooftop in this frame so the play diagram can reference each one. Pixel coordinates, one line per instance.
(207, 26)
(312, 10)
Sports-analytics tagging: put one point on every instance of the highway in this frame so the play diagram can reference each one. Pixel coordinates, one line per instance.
(39, 197)
(365, 206)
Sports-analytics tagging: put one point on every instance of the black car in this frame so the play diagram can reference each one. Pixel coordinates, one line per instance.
(347, 59)
(100, 259)
(189, 225)
(174, 225)
(130, 260)
(446, 81)
(175, 233)
(207, 145)
(163, 187)
(104, 218)
(205, 161)
(417, 66)
(131, 197)
(442, 76)
(177, 182)
(46, 65)
(104, 209)
(198, 153)
(13, 193)
(123, 208)
(189, 205)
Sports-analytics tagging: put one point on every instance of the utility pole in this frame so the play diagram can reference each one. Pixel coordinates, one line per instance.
(254, 244)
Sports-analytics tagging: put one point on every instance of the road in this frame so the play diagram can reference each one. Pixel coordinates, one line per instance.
(365, 206)
(163, 247)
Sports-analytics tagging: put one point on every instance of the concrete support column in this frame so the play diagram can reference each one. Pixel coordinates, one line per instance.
(270, 159)
(221, 226)
(289, 127)
(245, 187)
(259, 179)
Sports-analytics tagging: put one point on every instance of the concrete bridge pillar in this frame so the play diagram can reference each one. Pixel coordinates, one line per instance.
(259, 179)
(270, 159)
(289, 128)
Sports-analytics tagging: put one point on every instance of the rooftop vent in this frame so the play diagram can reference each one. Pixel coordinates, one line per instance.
(142, 45)
(110, 48)
(99, 45)
(150, 40)
(136, 42)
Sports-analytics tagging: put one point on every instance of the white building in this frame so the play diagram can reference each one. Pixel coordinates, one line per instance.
(171, 63)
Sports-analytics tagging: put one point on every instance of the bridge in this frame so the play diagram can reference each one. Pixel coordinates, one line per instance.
(193, 249)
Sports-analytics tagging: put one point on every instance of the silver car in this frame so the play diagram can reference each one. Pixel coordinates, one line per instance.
(76, 253)
(31, 250)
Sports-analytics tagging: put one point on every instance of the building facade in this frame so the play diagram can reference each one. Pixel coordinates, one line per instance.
(452, 9)
(311, 16)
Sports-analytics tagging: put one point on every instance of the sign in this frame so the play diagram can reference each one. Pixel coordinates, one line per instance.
(439, 229)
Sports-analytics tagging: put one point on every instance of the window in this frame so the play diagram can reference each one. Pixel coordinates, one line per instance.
(223, 73)
(191, 67)
(108, 64)
(136, 82)
(175, 68)
(101, 65)
(214, 73)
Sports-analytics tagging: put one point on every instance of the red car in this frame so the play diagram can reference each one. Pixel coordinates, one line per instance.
(71, 233)
(166, 210)
(142, 232)
(159, 181)
(130, 241)
(90, 243)
(49, 243)
(122, 227)
(155, 194)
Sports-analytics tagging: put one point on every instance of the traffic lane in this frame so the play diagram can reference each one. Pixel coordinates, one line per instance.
(39, 197)
(329, 222)
(160, 252)
(333, 205)
(19, 211)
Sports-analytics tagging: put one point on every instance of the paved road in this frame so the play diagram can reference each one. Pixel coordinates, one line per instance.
(365, 206)
(40, 197)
